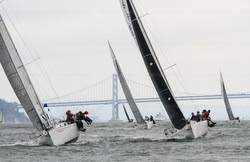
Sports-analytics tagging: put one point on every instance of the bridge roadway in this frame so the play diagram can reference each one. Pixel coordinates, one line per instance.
(142, 100)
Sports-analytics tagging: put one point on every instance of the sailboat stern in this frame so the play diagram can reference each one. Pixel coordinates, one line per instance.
(64, 133)
(190, 131)
(199, 129)
(149, 124)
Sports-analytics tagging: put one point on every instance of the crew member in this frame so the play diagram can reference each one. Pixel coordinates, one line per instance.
(203, 112)
(82, 116)
(69, 118)
(206, 115)
(198, 116)
(193, 116)
(152, 119)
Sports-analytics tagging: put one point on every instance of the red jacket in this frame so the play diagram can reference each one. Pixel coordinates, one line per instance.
(69, 117)
(205, 115)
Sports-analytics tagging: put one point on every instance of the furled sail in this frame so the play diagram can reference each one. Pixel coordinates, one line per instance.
(129, 120)
(126, 90)
(225, 98)
(152, 64)
(19, 79)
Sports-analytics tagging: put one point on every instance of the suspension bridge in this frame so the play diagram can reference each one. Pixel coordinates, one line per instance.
(84, 96)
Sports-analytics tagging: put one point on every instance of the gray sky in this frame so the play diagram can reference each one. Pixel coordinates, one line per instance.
(70, 37)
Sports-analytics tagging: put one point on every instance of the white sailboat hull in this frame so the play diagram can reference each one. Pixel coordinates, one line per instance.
(60, 134)
(234, 121)
(190, 131)
(63, 133)
(147, 125)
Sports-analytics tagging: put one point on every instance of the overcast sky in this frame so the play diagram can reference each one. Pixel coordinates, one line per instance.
(70, 38)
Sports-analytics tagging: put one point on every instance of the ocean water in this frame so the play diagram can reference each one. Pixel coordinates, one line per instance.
(122, 142)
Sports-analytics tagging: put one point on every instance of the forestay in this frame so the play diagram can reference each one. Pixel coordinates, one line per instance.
(19, 79)
(225, 98)
(126, 90)
(152, 64)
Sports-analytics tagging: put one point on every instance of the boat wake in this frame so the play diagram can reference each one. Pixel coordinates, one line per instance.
(24, 143)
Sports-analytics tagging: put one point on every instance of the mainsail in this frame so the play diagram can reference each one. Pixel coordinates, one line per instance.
(19, 79)
(1, 116)
(152, 64)
(126, 90)
(129, 120)
(225, 98)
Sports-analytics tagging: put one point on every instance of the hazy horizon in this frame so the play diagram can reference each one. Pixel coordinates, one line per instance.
(68, 40)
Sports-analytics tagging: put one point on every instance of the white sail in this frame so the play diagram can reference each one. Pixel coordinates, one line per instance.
(1, 116)
(225, 98)
(19, 79)
(126, 90)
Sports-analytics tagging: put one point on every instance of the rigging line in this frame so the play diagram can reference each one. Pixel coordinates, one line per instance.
(143, 15)
(45, 74)
(158, 44)
(168, 68)
(25, 44)
(2, 1)
(32, 61)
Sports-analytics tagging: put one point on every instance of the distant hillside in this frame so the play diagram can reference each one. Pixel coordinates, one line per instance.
(12, 113)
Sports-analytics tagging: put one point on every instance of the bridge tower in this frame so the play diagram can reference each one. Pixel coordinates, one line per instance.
(115, 110)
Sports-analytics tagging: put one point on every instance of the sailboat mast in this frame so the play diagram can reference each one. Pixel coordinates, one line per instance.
(19, 79)
(152, 64)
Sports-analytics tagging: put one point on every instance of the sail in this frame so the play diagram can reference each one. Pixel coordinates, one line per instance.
(19, 79)
(126, 90)
(129, 120)
(152, 64)
(1, 116)
(225, 98)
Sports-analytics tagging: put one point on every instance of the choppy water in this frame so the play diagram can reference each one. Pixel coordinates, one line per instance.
(121, 142)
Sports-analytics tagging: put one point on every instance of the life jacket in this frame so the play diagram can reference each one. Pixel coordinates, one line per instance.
(69, 117)
(205, 115)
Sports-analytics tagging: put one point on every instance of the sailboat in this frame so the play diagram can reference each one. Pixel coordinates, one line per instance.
(160, 117)
(50, 133)
(181, 127)
(129, 120)
(1, 116)
(139, 119)
(226, 101)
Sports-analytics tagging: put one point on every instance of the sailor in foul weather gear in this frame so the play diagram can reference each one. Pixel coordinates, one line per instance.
(69, 118)
(152, 119)
(206, 117)
(237, 118)
(198, 116)
(193, 116)
(203, 112)
(82, 116)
